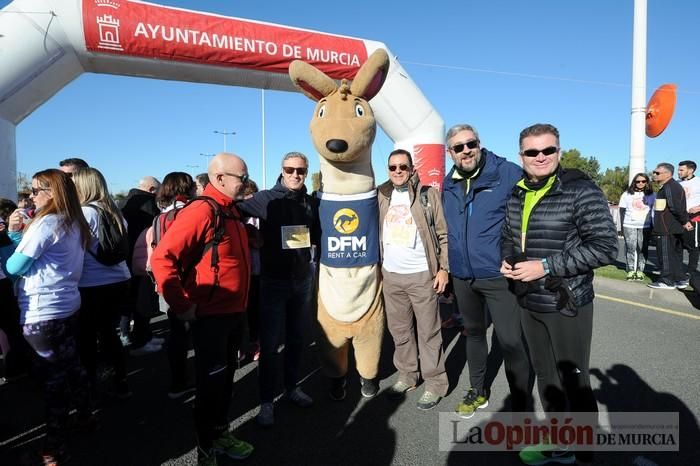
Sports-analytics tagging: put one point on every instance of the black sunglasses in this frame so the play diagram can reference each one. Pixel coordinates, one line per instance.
(658, 173)
(244, 177)
(535, 152)
(300, 170)
(640, 181)
(403, 167)
(36, 191)
(457, 148)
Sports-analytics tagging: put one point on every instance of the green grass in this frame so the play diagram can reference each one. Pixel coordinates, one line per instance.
(610, 271)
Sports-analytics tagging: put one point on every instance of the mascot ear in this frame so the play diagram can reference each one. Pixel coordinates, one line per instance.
(370, 78)
(311, 81)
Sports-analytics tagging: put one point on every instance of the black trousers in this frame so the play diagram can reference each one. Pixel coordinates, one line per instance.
(560, 349)
(98, 309)
(669, 250)
(691, 242)
(471, 297)
(215, 340)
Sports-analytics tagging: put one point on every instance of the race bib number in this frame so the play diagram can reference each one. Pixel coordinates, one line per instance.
(401, 235)
(295, 237)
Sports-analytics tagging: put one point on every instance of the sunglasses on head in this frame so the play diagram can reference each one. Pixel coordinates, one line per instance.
(403, 167)
(301, 171)
(457, 148)
(535, 152)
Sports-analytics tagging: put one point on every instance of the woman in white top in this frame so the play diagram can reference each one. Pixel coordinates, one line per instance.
(49, 261)
(103, 288)
(636, 217)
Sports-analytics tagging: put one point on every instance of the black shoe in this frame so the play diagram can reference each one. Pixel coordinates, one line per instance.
(337, 391)
(369, 387)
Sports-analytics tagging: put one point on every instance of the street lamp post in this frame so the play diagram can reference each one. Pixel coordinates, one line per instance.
(207, 156)
(225, 133)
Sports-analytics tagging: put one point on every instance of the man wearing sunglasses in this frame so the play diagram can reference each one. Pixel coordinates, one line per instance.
(671, 222)
(558, 229)
(413, 236)
(289, 228)
(474, 198)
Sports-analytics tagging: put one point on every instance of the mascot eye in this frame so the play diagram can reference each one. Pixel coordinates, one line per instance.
(359, 110)
(322, 111)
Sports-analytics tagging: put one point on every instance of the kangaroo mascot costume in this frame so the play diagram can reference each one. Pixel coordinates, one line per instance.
(350, 306)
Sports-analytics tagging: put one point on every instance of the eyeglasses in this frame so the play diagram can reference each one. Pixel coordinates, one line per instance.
(301, 171)
(244, 177)
(535, 152)
(36, 191)
(457, 148)
(403, 167)
(658, 173)
(640, 181)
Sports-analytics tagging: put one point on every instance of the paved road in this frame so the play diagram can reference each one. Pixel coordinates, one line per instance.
(645, 347)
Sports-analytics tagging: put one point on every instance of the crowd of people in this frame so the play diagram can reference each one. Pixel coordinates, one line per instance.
(669, 217)
(234, 270)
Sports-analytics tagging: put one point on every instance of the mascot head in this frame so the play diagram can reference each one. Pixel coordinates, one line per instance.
(343, 125)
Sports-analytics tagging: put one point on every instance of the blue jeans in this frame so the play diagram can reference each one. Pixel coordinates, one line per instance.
(284, 310)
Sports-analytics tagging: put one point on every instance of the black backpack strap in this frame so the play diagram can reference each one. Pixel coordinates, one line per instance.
(427, 208)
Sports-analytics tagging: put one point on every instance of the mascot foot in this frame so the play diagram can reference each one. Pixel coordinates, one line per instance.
(337, 391)
(370, 387)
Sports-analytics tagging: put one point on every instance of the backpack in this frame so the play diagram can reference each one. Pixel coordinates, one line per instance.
(112, 243)
(163, 221)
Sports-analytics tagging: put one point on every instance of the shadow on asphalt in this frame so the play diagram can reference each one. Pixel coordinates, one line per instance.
(151, 429)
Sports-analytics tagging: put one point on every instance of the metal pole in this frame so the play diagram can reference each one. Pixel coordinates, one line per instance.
(225, 134)
(639, 82)
(264, 169)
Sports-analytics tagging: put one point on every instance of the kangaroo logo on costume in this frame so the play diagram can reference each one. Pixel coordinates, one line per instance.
(345, 221)
(350, 308)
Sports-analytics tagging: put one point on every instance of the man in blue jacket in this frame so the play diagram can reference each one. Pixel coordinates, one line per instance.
(475, 192)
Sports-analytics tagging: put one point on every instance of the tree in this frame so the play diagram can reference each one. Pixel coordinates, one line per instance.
(120, 196)
(614, 182)
(24, 183)
(573, 159)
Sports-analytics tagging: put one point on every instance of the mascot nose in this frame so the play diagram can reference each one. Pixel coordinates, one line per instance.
(336, 145)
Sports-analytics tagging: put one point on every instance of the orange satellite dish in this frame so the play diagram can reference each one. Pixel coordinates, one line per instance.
(660, 109)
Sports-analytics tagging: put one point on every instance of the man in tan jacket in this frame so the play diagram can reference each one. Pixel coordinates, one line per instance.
(414, 269)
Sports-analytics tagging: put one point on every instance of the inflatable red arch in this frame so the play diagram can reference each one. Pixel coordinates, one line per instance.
(46, 44)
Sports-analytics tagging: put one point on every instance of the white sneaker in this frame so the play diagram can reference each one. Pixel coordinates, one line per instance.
(148, 348)
(300, 398)
(266, 416)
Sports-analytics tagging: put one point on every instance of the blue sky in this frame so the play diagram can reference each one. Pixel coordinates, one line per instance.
(498, 65)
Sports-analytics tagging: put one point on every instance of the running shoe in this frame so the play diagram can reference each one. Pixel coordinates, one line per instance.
(473, 400)
(232, 447)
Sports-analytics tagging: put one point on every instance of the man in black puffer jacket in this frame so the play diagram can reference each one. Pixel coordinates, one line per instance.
(289, 226)
(558, 229)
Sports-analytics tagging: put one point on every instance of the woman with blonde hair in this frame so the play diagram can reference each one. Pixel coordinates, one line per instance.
(48, 262)
(103, 288)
